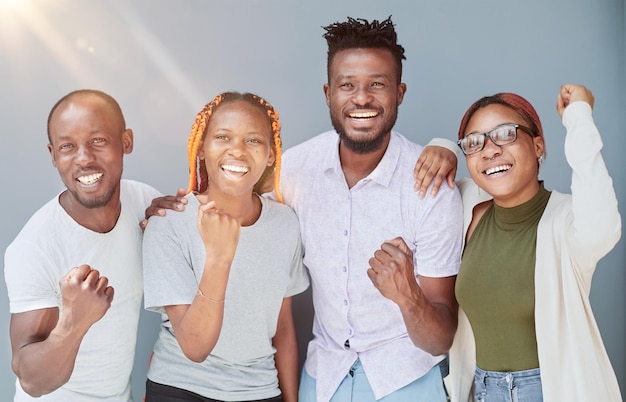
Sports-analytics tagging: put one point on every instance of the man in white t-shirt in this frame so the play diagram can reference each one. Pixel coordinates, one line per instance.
(74, 272)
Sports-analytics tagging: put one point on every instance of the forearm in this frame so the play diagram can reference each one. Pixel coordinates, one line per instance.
(597, 221)
(44, 366)
(431, 326)
(286, 356)
(197, 326)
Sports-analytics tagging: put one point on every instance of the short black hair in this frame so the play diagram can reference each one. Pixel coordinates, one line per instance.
(105, 97)
(360, 33)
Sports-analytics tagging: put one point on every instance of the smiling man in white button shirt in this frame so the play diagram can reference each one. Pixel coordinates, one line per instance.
(383, 262)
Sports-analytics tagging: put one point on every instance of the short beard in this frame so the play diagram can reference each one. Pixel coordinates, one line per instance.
(363, 146)
(92, 203)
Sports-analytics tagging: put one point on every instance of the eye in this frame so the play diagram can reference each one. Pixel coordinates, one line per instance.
(66, 147)
(346, 85)
(504, 134)
(378, 85)
(221, 137)
(98, 141)
(474, 140)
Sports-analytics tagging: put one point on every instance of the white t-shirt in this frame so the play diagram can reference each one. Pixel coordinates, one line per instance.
(45, 250)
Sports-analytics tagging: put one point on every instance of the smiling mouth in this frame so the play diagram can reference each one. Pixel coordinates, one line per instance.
(497, 169)
(89, 179)
(235, 168)
(362, 115)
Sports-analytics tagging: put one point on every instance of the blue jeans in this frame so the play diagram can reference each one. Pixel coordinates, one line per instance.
(356, 388)
(515, 386)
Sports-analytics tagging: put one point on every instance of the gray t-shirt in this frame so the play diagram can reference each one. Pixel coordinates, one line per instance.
(267, 267)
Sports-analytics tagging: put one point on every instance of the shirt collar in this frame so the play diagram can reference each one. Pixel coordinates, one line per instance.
(382, 174)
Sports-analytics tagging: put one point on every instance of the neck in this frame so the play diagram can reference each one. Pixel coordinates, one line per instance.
(245, 208)
(100, 219)
(356, 166)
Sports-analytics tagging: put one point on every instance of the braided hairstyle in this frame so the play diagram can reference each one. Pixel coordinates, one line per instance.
(361, 34)
(198, 179)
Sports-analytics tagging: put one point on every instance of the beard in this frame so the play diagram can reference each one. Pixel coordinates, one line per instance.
(367, 143)
(94, 202)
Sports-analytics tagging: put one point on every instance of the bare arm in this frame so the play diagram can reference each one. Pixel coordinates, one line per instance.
(429, 309)
(44, 346)
(198, 325)
(435, 165)
(286, 356)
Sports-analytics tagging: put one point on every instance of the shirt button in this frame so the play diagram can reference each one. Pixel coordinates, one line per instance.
(345, 302)
(344, 269)
(345, 232)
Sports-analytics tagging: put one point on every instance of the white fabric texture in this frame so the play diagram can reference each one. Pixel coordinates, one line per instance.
(45, 250)
(574, 233)
(341, 229)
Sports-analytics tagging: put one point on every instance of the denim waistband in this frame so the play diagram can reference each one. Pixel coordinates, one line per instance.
(509, 379)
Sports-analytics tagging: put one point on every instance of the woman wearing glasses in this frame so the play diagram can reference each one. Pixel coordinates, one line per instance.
(526, 329)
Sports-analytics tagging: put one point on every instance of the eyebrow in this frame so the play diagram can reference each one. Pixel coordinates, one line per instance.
(493, 128)
(348, 76)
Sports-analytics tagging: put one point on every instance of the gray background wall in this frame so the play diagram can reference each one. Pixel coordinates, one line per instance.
(164, 59)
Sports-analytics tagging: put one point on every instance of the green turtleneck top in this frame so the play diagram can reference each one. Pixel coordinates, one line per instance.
(495, 285)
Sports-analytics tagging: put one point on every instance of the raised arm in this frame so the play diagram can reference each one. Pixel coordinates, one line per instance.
(570, 93)
(595, 226)
(197, 325)
(429, 309)
(437, 163)
(44, 346)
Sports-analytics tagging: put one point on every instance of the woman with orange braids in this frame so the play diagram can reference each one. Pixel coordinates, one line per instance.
(223, 271)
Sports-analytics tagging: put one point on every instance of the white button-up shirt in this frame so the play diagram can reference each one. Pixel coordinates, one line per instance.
(341, 229)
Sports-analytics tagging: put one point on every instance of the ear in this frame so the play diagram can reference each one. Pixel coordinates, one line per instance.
(272, 157)
(327, 94)
(52, 156)
(401, 92)
(540, 146)
(127, 141)
(201, 150)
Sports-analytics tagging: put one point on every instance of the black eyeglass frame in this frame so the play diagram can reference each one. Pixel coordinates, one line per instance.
(488, 134)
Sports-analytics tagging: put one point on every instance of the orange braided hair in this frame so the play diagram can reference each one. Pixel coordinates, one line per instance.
(198, 180)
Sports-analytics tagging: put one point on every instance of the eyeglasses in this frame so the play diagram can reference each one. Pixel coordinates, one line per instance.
(504, 134)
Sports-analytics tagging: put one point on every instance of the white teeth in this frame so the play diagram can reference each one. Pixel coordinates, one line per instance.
(497, 169)
(235, 168)
(363, 115)
(91, 179)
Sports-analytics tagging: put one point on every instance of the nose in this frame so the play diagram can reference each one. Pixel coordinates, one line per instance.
(362, 95)
(491, 149)
(84, 155)
(236, 148)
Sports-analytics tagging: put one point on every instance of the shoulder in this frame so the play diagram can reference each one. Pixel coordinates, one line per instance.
(43, 222)
(558, 203)
(311, 148)
(404, 144)
(276, 209)
(136, 196)
(175, 220)
(133, 188)
(280, 215)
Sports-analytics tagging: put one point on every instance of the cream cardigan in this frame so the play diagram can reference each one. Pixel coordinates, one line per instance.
(574, 233)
